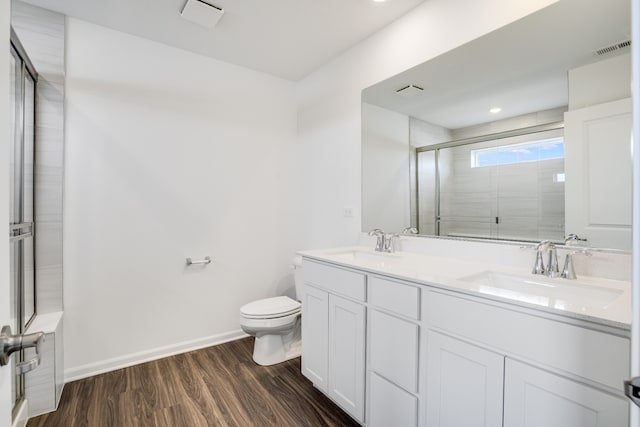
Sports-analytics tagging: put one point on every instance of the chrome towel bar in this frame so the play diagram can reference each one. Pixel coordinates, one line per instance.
(206, 260)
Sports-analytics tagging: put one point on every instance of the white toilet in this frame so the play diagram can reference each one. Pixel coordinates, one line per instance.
(275, 322)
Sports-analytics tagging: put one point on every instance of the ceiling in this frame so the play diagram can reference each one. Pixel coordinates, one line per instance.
(521, 67)
(285, 38)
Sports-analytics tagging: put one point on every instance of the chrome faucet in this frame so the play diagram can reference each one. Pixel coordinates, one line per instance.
(552, 262)
(389, 240)
(384, 242)
(552, 270)
(380, 239)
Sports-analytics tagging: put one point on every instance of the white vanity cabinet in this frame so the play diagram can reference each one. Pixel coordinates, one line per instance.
(573, 382)
(333, 334)
(395, 352)
(480, 381)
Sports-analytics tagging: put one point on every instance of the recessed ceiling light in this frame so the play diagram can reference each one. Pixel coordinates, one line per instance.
(495, 110)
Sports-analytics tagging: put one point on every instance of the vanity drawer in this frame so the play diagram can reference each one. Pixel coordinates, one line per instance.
(397, 297)
(389, 405)
(393, 351)
(334, 279)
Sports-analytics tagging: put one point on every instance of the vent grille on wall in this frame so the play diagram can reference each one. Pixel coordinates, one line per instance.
(613, 48)
(409, 91)
(202, 13)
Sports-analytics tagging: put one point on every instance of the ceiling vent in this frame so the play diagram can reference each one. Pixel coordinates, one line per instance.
(409, 91)
(202, 13)
(612, 48)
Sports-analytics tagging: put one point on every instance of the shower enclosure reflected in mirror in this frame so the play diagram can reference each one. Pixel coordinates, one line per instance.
(554, 160)
(503, 186)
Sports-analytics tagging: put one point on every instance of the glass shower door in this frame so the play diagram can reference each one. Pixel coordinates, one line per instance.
(21, 205)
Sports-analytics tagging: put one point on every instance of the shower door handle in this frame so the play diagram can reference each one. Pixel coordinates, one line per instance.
(10, 343)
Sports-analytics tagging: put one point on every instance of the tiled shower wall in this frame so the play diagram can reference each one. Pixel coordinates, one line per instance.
(41, 32)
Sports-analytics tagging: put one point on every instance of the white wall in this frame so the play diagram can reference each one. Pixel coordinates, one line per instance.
(599, 82)
(328, 148)
(168, 155)
(423, 133)
(385, 166)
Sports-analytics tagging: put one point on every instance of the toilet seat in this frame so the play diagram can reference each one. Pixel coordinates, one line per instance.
(270, 308)
(270, 325)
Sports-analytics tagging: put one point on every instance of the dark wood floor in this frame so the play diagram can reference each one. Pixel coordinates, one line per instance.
(216, 386)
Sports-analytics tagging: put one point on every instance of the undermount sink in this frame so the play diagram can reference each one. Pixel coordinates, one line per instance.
(556, 293)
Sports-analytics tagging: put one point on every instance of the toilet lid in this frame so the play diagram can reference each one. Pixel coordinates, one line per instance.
(270, 307)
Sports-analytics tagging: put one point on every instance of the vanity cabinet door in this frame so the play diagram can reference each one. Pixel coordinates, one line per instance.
(346, 355)
(464, 384)
(534, 397)
(315, 335)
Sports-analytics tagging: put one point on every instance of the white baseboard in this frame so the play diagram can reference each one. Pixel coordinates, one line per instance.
(103, 366)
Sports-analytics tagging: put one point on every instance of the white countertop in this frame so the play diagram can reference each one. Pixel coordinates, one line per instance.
(594, 299)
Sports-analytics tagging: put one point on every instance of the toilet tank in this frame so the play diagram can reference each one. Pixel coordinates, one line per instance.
(297, 276)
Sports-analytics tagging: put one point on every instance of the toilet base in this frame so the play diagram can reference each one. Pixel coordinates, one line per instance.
(271, 349)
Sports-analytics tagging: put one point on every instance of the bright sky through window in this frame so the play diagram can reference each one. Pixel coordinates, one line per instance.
(545, 149)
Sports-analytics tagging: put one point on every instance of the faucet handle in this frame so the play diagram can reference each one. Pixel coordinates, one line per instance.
(380, 239)
(568, 272)
(375, 232)
(538, 267)
(573, 239)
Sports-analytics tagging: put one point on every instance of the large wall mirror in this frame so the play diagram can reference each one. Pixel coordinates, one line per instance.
(523, 134)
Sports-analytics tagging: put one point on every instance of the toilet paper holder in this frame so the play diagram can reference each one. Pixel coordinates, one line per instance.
(205, 261)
